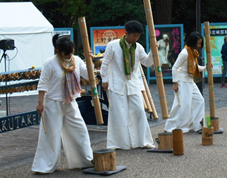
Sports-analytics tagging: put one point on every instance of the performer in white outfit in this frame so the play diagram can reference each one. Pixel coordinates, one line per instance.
(127, 122)
(184, 72)
(59, 80)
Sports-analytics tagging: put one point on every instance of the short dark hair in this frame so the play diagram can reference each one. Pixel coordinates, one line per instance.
(193, 39)
(133, 26)
(63, 43)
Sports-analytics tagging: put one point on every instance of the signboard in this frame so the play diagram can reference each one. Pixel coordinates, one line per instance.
(13, 122)
(217, 33)
(100, 36)
(170, 40)
(65, 31)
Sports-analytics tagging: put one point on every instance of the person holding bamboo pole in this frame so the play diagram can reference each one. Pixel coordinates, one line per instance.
(187, 114)
(58, 88)
(127, 122)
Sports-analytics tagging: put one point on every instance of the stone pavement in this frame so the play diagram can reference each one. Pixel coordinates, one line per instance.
(17, 147)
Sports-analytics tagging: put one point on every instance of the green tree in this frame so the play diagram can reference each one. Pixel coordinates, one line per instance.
(62, 13)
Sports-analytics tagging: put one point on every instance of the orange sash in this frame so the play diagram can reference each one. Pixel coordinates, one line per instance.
(193, 62)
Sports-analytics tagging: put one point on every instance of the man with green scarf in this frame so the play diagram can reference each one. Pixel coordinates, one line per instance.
(127, 122)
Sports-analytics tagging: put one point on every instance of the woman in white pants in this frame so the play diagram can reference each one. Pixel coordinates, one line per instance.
(184, 72)
(58, 88)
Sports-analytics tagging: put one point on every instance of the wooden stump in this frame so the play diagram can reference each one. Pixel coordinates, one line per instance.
(104, 160)
(207, 136)
(215, 123)
(165, 141)
(178, 144)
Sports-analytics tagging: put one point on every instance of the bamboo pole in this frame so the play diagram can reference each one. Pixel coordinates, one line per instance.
(159, 77)
(147, 103)
(178, 98)
(144, 103)
(45, 131)
(148, 94)
(89, 64)
(209, 69)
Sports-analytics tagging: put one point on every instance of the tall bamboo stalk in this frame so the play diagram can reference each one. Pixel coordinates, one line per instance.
(209, 70)
(89, 64)
(153, 47)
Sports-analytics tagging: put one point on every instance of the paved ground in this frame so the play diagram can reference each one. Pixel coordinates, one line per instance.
(17, 147)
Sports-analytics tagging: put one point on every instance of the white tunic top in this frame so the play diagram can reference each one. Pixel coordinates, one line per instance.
(51, 77)
(180, 68)
(112, 68)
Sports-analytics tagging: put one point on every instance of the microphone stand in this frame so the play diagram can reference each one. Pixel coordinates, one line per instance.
(4, 55)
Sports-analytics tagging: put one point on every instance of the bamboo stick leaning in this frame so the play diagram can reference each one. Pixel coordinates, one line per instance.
(90, 66)
(158, 73)
(144, 103)
(147, 103)
(151, 103)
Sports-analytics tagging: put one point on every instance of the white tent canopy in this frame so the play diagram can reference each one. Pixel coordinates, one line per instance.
(31, 32)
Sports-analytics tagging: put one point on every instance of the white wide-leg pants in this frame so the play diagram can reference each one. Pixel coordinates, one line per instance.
(62, 121)
(127, 122)
(192, 110)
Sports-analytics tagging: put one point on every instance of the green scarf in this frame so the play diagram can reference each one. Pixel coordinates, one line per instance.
(126, 51)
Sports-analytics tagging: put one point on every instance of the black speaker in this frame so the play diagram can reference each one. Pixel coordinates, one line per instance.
(7, 44)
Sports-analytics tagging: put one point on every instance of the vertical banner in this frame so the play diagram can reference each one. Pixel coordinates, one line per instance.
(170, 40)
(100, 36)
(217, 33)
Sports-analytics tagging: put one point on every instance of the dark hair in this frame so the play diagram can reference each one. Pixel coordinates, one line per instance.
(193, 39)
(225, 38)
(133, 26)
(63, 44)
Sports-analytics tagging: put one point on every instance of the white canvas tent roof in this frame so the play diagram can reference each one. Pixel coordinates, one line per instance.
(22, 18)
(32, 34)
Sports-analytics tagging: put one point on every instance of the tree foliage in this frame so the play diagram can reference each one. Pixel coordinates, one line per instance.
(62, 13)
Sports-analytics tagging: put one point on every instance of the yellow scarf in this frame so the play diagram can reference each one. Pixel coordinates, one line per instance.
(193, 63)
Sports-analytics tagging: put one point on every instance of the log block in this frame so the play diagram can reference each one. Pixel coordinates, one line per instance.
(104, 160)
(165, 141)
(207, 136)
(178, 144)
